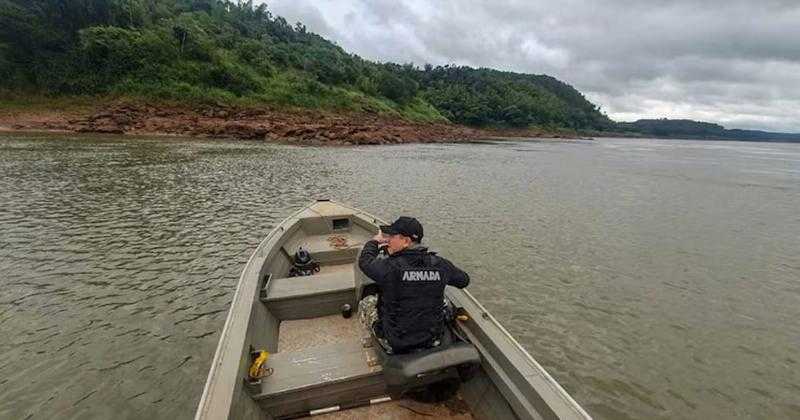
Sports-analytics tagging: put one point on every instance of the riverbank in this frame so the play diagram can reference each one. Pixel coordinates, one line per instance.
(283, 126)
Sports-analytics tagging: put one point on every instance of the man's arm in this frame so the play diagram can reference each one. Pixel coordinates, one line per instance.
(455, 276)
(369, 263)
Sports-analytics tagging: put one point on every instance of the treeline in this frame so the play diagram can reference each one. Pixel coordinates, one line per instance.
(491, 97)
(689, 129)
(235, 52)
(665, 127)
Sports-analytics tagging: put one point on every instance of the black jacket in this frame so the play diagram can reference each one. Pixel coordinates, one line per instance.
(411, 284)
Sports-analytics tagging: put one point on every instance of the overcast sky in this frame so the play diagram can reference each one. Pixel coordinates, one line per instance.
(734, 62)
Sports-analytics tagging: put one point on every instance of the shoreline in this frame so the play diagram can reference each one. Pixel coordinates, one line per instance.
(302, 127)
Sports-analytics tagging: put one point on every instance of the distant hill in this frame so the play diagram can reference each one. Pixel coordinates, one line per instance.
(236, 53)
(689, 129)
(222, 52)
(490, 97)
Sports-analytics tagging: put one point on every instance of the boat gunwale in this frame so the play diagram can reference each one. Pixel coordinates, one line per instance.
(487, 316)
(204, 406)
(222, 348)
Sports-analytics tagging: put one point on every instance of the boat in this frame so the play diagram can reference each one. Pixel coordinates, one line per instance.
(292, 346)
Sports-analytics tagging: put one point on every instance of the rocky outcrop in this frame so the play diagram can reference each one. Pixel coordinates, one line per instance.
(299, 127)
(295, 127)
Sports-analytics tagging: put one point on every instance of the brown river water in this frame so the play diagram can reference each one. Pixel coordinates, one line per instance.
(654, 279)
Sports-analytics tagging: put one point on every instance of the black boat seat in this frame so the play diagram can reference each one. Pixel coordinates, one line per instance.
(410, 370)
(404, 372)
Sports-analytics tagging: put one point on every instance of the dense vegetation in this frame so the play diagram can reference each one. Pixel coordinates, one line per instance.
(237, 53)
(485, 96)
(699, 130)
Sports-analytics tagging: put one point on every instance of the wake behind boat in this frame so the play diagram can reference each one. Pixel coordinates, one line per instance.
(290, 347)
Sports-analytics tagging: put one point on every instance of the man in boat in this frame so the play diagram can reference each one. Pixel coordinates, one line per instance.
(408, 313)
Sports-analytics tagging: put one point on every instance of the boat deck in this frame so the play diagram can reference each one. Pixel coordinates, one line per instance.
(305, 334)
(321, 362)
(455, 409)
(301, 334)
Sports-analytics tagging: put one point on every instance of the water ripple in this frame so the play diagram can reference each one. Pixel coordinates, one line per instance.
(637, 272)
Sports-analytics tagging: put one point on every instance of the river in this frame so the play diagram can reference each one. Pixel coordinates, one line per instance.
(652, 278)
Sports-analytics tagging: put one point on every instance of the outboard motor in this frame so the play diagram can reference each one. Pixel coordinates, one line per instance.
(303, 264)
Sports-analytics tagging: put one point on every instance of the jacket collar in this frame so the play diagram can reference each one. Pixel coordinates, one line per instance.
(414, 248)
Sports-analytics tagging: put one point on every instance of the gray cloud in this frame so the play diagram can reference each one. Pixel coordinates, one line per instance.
(735, 62)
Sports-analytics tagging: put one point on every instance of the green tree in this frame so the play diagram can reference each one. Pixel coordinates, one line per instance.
(211, 50)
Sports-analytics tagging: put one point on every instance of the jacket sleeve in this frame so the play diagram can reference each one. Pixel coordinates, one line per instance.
(455, 276)
(375, 268)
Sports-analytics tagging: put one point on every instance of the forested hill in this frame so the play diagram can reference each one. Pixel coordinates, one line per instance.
(701, 130)
(213, 51)
(486, 96)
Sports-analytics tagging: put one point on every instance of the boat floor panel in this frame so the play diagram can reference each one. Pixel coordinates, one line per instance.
(454, 408)
(317, 368)
(313, 332)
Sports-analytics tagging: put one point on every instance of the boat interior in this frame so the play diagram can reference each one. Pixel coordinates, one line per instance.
(322, 361)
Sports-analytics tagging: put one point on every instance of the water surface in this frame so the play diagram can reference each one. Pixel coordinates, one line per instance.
(652, 278)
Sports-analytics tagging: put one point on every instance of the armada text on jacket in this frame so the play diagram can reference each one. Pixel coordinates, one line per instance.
(411, 284)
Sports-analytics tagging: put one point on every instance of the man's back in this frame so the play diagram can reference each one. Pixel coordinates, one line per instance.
(411, 284)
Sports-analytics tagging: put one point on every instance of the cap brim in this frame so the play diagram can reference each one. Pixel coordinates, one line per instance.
(388, 230)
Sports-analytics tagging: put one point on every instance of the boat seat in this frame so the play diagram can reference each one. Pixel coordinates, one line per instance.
(310, 296)
(327, 249)
(335, 374)
(405, 372)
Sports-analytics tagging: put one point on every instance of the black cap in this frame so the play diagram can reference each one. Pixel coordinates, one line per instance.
(406, 226)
